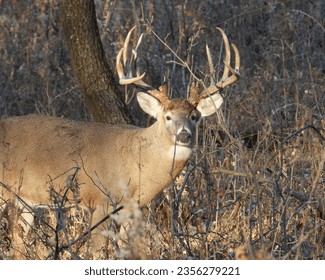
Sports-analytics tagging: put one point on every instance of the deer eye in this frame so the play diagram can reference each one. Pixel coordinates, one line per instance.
(193, 118)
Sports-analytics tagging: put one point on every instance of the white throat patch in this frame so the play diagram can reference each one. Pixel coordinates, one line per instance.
(181, 152)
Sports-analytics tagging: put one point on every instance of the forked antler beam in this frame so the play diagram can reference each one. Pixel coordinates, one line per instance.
(128, 78)
(226, 80)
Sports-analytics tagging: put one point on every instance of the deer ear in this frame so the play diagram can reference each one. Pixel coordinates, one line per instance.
(149, 104)
(207, 106)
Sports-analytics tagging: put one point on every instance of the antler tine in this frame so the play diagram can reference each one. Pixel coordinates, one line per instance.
(127, 78)
(226, 80)
(227, 55)
(126, 45)
(210, 63)
(237, 59)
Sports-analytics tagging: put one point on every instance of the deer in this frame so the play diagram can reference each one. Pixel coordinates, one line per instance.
(112, 164)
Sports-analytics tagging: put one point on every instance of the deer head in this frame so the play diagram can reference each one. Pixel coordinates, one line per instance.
(178, 116)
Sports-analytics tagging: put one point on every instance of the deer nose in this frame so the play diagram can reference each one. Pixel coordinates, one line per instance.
(184, 137)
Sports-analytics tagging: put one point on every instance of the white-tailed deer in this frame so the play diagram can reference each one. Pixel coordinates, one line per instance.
(114, 163)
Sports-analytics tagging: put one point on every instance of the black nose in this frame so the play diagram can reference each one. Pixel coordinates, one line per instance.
(184, 137)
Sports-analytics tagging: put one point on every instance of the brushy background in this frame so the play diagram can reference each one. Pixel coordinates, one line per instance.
(254, 187)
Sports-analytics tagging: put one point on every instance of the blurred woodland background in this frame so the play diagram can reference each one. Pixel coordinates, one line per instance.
(255, 186)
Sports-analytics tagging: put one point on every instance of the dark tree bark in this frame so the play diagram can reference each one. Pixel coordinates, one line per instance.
(101, 94)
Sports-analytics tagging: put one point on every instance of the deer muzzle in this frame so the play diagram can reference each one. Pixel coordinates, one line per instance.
(184, 137)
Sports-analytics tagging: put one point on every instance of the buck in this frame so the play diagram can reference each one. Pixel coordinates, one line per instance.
(112, 164)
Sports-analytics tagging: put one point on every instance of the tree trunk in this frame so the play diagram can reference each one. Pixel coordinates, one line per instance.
(101, 94)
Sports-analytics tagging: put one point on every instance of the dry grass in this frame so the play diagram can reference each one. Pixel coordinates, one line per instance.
(254, 187)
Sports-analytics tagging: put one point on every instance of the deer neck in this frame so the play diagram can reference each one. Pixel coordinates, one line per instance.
(173, 157)
(157, 163)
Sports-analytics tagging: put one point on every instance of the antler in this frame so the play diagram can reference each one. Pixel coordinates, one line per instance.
(162, 93)
(128, 78)
(226, 80)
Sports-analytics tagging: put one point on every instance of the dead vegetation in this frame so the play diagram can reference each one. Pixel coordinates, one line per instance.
(254, 187)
